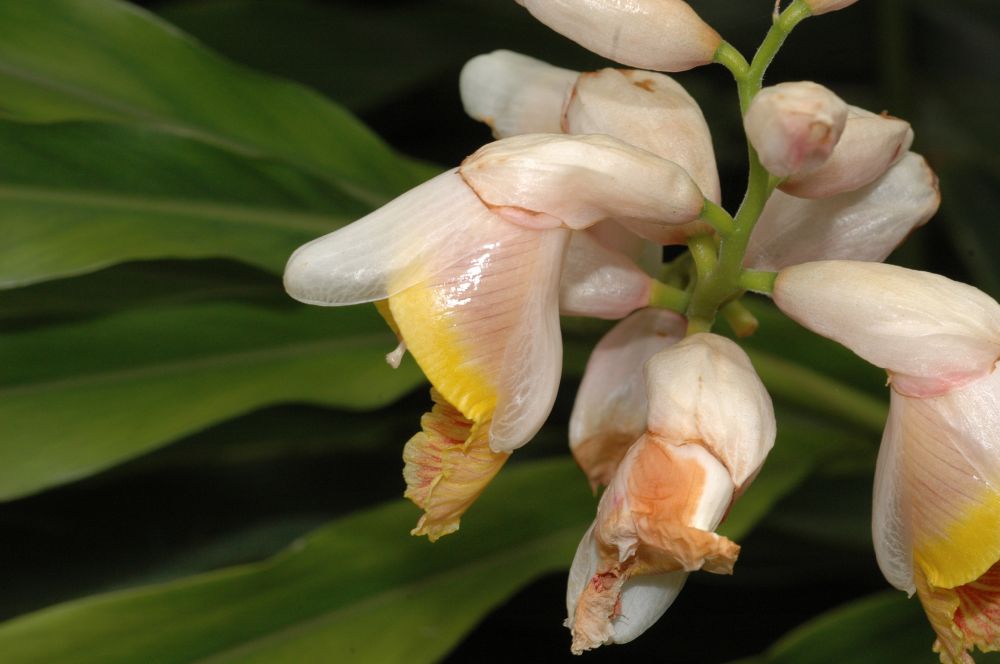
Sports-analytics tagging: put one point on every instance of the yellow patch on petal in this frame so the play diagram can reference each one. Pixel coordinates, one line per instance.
(448, 465)
(969, 547)
(426, 325)
(964, 617)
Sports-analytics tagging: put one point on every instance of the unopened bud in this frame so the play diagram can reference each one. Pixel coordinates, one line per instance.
(817, 7)
(662, 35)
(795, 126)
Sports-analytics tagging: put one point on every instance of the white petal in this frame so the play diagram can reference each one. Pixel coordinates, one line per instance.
(547, 180)
(865, 225)
(580, 572)
(705, 390)
(932, 333)
(644, 600)
(393, 247)
(650, 111)
(870, 144)
(647, 255)
(600, 283)
(664, 35)
(890, 527)
(514, 94)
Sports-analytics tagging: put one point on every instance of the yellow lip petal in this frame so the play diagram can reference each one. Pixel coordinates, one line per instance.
(964, 617)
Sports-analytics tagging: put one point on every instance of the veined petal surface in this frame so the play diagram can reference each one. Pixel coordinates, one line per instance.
(865, 224)
(600, 283)
(515, 94)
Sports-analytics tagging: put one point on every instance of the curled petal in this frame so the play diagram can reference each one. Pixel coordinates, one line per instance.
(865, 224)
(610, 409)
(794, 126)
(663, 35)
(650, 111)
(448, 465)
(550, 180)
(514, 94)
(705, 390)
(964, 617)
(600, 283)
(931, 333)
(485, 330)
(869, 145)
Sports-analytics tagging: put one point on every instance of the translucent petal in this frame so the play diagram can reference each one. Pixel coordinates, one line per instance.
(866, 224)
(609, 413)
(890, 525)
(600, 283)
(650, 111)
(933, 334)
(633, 33)
(394, 247)
(644, 600)
(705, 390)
(870, 144)
(547, 180)
(515, 94)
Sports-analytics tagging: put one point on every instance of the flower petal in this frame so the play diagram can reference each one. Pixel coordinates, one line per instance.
(609, 413)
(392, 248)
(600, 283)
(514, 94)
(866, 224)
(548, 180)
(448, 465)
(650, 111)
(664, 35)
(485, 330)
(964, 617)
(890, 522)
(933, 334)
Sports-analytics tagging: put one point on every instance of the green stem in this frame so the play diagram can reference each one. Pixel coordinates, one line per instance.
(730, 58)
(717, 216)
(758, 281)
(664, 296)
(740, 319)
(702, 248)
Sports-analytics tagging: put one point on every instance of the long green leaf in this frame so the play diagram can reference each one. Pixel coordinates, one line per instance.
(78, 398)
(76, 197)
(109, 60)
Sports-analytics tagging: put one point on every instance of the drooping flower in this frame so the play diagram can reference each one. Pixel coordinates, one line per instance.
(936, 513)
(709, 427)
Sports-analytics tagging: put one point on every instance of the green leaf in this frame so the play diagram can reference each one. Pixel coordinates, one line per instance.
(76, 197)
(109, 60)
(75, 399)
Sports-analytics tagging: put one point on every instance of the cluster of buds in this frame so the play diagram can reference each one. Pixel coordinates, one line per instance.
(567, 212)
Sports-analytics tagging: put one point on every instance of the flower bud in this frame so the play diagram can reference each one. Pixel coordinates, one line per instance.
(869, 145)
(600, 283)
(865, 224)
(514, 94)
(794, 126)
(609, 413)
(662, 35)
(551, 180)
(931, 333)
(650, 111)
(817, 7)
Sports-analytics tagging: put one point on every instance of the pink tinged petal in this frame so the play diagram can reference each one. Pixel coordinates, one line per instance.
(600, 283)
(869, 145)
(704, 389)
(612, 235)
(392, 248)
(663, 35)
(650, 111)
(609, 413)
(794, 126)
(514, 94)
(931, 333)
(550, 180)
(865, 224)
(823, 6)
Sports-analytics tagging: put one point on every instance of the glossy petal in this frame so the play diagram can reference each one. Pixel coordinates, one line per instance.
(869, 145)
(932, 334)
(515, 94)
(705, 390)
(866, 224)
(794, 126)
(663, 35)
(394, 247)
(485, 330)
(609, 413)
(650, 111)
(550, 180)
(600, 283)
